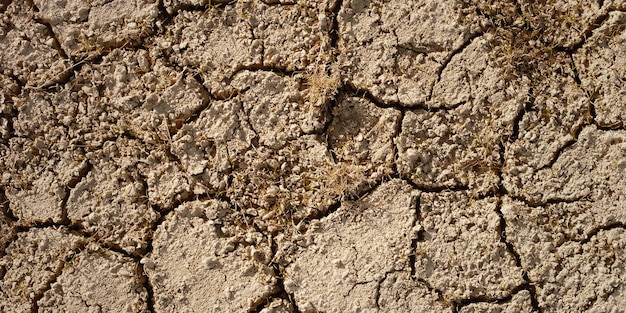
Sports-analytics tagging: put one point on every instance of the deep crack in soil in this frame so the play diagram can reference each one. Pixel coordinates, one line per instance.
(290, 156)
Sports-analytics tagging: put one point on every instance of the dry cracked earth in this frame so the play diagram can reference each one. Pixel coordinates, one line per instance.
(312, 156)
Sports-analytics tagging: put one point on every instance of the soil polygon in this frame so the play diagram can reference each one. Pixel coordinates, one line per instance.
(28, 49)
(32, 261)
(200, 260)
(462, 236)
(401, 37)
(296, 156)
(97, 279)
(85, 28)
(334, 262)
(602, 65)
(110, 201)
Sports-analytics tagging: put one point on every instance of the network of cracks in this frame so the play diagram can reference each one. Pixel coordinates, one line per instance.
(312, 157)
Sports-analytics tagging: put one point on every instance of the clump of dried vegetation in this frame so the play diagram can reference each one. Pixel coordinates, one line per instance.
(323, 83)
(527, 34)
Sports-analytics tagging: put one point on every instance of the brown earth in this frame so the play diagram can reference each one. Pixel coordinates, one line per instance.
(300, 156)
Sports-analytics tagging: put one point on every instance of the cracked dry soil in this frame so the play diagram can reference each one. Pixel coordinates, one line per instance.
(312, 156)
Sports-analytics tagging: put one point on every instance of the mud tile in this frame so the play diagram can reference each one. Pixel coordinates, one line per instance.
(282, 187)
(111, 202)
(401, 293)
(294, 36)
(34, 259)
(46, 156)
(36, 177)
(520, 302)
(292, 175)
(559, 111)
(590, 276)
(196, 262)
(209, 146)
(536, 233)
(360, 136)
(450, 149)
(276, 107)
(460, 146)
(72, 117)
(475, 75)
(142, 94)
(601, 62)
(214, 44)
(167, 182)
(269, 114)
(97, 280)
(590, 169)
(302, 179)
(395, 50)
(84, 28)
(459, 251)
(27, 48)
(580, 275)
(340, 261)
